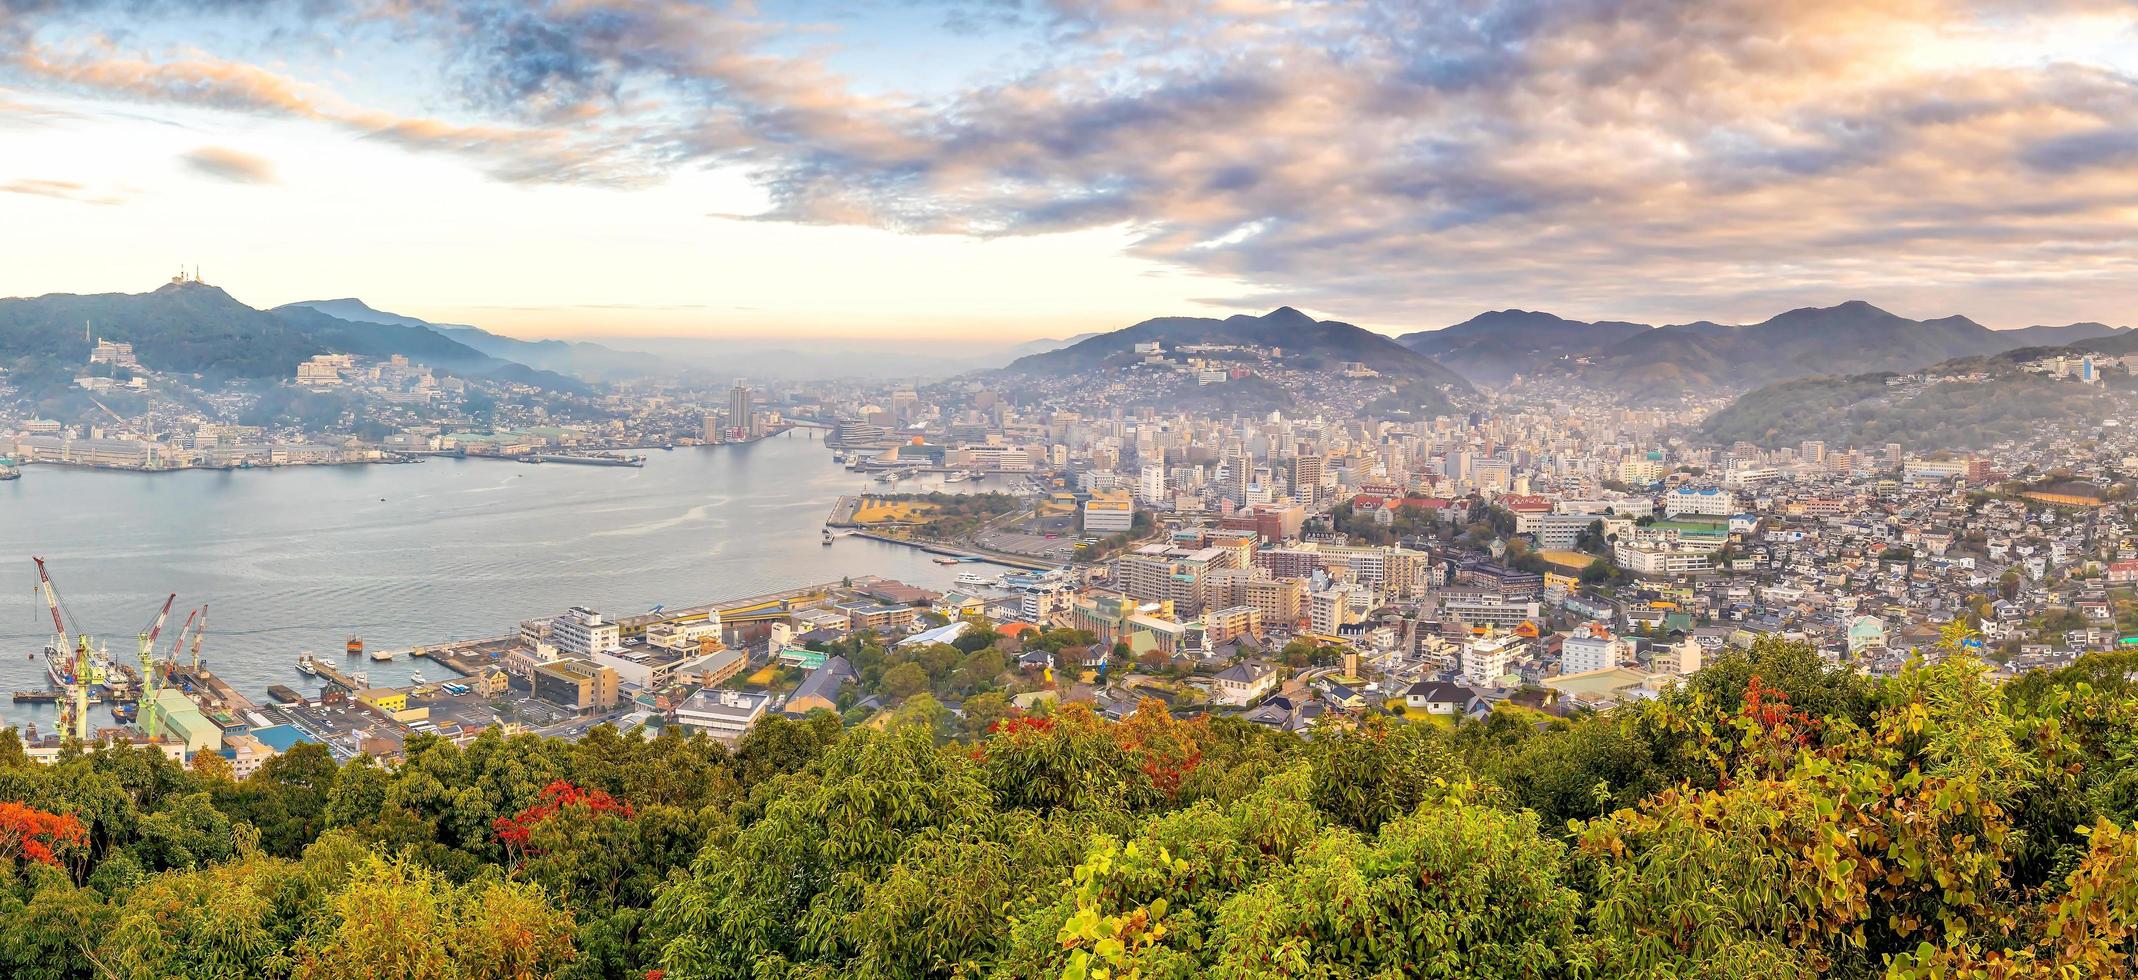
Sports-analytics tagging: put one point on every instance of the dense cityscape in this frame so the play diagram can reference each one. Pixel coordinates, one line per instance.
(1068, 490)
(1333, 551)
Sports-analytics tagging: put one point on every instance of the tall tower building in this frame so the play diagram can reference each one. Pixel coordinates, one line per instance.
(1306, 478)
(739, 408)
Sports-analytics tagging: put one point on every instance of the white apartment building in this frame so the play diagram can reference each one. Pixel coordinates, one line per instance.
(1706, 501)
(723, 714)
(1591, 647)
(1486, 659)
(582, 632)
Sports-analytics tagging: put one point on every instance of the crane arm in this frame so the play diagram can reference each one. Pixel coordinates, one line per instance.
(197, 631)
(179, 642)
(51, 594)
(156, 629)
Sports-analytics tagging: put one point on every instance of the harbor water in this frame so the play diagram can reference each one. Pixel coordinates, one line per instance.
(300, 558)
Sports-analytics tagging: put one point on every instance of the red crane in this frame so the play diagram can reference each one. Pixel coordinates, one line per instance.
(51, 594)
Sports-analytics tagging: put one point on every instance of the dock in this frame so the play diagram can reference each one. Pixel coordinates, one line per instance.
(206, 685)
(731, 610)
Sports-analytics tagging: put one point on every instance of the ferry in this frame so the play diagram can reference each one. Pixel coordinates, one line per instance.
(305, 665)
(959, 476)
(976, 579)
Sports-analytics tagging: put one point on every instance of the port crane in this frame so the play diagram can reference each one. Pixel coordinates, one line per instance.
(145, 695)
(197, 631)
(81, 672)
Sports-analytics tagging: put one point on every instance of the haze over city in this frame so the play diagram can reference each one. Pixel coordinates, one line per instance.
(996, 171)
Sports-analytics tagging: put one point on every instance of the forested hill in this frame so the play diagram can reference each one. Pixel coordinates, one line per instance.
(197, 329)
(1322, 344)
(1801, 343)
(1965, 404)
(1775, 818)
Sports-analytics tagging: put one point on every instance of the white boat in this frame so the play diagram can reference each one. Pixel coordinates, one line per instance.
(975, 578)
(416, 679)
(381, 654)
(305, 665)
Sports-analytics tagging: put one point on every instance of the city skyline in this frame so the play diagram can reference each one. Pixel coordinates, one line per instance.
(1021, 171)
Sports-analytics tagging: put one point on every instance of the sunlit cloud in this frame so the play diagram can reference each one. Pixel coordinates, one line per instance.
(223, 163)
(1404, 162)
(62, 190)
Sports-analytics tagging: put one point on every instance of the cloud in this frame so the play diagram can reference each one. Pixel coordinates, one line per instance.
(1398, 160)
(63, 190)
(223, 163)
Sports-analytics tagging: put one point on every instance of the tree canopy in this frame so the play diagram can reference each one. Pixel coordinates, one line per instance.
(1772, 817)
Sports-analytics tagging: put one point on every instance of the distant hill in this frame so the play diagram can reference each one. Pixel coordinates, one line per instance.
(198, 329)
(577, 358)
(1031, 347)
(1966, 403)
(1494, 347)
(1313, 344)
(1807, 342)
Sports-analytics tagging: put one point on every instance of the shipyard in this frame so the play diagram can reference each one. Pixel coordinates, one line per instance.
(553, 676)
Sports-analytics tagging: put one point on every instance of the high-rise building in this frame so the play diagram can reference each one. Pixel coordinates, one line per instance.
(739, 414)
(1306, 478)
(1151, 484)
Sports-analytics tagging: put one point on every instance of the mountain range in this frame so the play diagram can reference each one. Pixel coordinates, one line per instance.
(1854, 336)
(579, 359)
(1964, 403)
(198, 329)
(1494, 347)
(1312, 344)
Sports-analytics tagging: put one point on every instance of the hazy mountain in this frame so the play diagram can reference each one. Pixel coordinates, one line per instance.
(1807, 342)
(192, 328)
(1970, 403)
(1495, 346)
(1313, 344)
(1031, 347)
(2070, 333)
(577, 358)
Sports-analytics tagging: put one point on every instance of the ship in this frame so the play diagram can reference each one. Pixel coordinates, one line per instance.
(975, 578)
(306, 666)
(355, 646)
(382, 655)
(416, 679)
(10, 472)
(827, 536)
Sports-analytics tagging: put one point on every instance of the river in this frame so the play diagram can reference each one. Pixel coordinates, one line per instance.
(299, 558)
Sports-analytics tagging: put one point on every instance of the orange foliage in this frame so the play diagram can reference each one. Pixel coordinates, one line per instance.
(39, 836)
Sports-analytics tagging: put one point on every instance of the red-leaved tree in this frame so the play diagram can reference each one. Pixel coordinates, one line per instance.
(27, 832)
(517, 830)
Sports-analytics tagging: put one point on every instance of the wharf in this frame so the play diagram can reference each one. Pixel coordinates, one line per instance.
(217, 691)
(752, 605)
(968, 551)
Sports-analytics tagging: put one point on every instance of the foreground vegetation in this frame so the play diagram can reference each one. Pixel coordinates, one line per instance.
(1773, 818)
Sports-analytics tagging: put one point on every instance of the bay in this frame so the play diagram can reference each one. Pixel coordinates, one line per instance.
(300, 558)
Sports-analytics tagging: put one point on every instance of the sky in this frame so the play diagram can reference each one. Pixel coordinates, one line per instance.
(989, 171)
